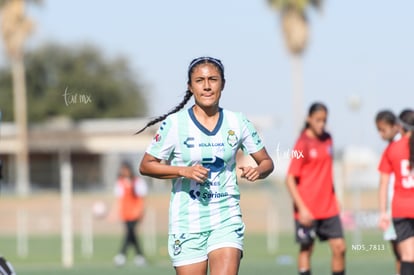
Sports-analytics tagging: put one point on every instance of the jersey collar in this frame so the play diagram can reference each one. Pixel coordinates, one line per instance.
(204, 129)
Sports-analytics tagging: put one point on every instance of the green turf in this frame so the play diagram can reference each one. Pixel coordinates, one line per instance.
(44, 257)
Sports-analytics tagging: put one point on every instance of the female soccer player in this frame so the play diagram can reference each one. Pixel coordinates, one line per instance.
(196, 148)
(310, 184)
(389, 130)
(398, 158)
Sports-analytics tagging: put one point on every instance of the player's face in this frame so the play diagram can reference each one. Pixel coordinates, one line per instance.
(124, 172)
(386, 130)
(206, 85)
(317, 122)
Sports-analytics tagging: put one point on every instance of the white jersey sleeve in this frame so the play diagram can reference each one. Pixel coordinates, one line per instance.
(164, 141)
(251, 142)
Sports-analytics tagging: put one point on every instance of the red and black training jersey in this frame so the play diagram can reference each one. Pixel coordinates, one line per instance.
(314, 175)
(395, 160)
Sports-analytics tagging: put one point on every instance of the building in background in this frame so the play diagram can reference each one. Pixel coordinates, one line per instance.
(96, 148)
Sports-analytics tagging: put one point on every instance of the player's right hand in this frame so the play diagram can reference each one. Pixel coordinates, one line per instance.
(305, 217)
(197, 173)
(384, 221)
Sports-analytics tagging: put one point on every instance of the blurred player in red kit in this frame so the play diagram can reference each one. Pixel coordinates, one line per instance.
(310, 184)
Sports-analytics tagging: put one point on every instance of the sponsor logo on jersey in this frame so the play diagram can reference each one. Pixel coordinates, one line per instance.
(232, 138)
(211, 144)
(189, 142)
(157, 137)
(194, 194)
(215, 195)
(207, 195)
(214, 164)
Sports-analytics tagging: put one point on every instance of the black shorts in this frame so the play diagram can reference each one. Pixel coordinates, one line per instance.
(324, 229)
(404, 228)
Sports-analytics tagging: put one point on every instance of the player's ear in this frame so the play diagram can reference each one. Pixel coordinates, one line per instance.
(223, 84)
(189, 87)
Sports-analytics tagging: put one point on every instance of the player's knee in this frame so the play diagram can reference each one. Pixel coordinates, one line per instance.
(407, 257)
(339, 249)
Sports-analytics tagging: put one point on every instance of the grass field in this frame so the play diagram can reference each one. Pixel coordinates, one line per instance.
(44, 257)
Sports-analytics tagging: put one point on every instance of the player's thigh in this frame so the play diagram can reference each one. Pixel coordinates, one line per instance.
(225, 247)
(224, 261)
(405, 237)
(406, 249)
(199, 268)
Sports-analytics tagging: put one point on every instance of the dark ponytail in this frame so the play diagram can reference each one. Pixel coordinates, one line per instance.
(411, 144)
(407, 122)
(410, 126)
(186, 98)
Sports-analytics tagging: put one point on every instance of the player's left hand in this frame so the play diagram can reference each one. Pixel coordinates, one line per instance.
(249, 173)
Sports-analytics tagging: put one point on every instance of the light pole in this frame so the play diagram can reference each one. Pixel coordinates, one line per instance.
(354, 104)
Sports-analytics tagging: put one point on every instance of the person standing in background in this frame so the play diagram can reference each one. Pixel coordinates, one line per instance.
(310, 184)
(130, 191)
(389, 130)
(398, 159)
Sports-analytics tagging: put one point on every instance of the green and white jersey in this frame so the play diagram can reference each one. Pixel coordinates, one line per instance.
(182, 141)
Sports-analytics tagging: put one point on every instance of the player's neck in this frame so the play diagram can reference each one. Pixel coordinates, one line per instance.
(310, 134)
(208, 117)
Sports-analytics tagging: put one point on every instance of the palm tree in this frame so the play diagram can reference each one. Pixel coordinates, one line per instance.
(15, 28)
(295, 27)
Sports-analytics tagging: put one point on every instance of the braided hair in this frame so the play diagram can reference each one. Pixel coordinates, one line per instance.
(194, 63)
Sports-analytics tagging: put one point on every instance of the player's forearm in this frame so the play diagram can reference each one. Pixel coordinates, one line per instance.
(265, 168)
(159, 170)
(291, 185)
(383, 191)
(264, 163)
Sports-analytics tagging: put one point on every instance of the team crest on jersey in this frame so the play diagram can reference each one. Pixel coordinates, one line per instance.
(177, 247)
(232, 139)
(313, 153)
